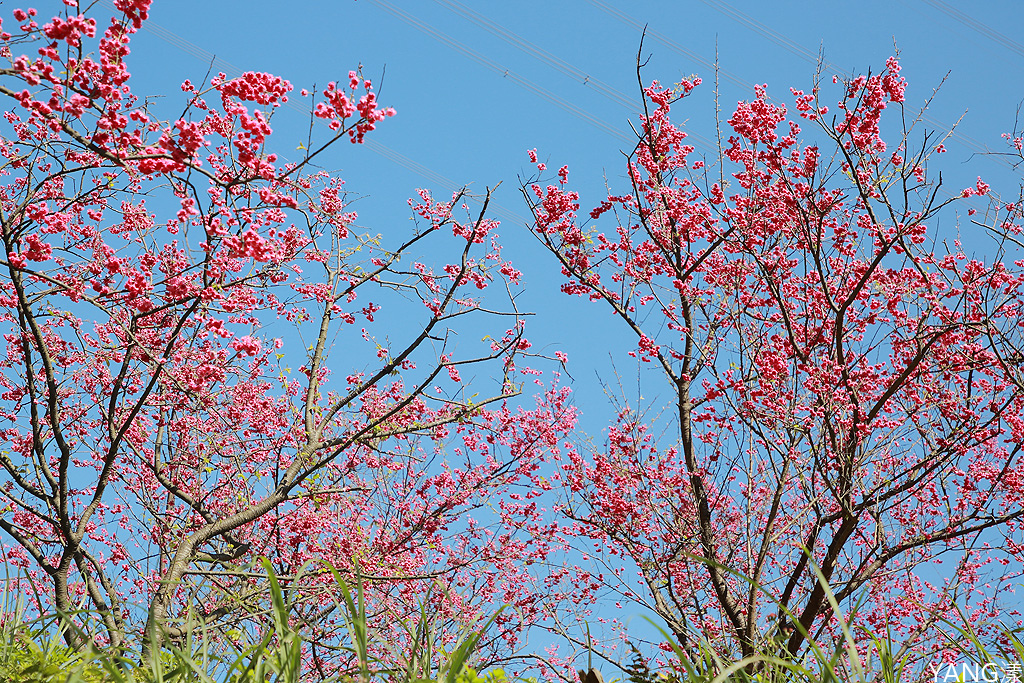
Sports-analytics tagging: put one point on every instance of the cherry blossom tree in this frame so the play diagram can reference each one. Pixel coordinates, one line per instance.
(843, 378)
(195, 372)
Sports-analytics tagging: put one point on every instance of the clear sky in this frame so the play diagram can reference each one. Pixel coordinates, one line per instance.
(477, 84)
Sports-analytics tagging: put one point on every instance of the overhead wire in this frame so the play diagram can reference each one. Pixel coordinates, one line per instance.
(378, 148)
(501, 70)
(972, 23)
(768, 32)
(624, 18)
(805, 54)
(492, 27)
(610, 92)
(540, 53)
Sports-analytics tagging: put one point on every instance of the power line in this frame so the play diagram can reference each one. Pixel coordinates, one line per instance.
(501, 70)
(807, 55)
(378, 148)
(540, 53)
(557, 63)
(970, 22)
(624, 18)
(773, 35)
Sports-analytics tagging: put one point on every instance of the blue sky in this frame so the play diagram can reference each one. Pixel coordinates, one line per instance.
(560, 77)
(463, 120)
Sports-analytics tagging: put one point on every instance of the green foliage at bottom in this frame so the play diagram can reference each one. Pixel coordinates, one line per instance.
(35, 652)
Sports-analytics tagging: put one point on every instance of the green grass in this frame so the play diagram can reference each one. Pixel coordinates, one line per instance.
(34, 651)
